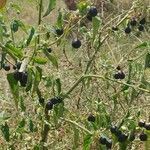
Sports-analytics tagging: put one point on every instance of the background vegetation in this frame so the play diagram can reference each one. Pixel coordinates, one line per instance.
(90, 99)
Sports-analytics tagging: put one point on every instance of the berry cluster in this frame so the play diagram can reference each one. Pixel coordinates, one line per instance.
(105, 141)
(121, 137)
(22, 77)
(133, 22)
(120, 74)
(53, 101)
(76, 43)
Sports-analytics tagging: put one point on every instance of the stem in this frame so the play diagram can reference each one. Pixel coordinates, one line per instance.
(12, 37)
(74, 86)
(103, 78)
(40, 18)
(79, 126)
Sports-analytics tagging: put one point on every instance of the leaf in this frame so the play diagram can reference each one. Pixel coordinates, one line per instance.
(30, 80)
(5, 131)
(22, 26)
(52, 58)
(32, 32)
(87, 142)
(22, 105)
(13, 51)
(51, 6)
(58, 85)
(143, 45)
(147, 61)
(14, 26)
(3, 117)
(37, 78)
(96, 24)
(40, 60)
(31, 125)
(14, 87)
(22, 123)
(59, 23)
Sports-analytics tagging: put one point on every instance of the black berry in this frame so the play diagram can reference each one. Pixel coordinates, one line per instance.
(56, 100)
(147, 126)
(115, 29)
(49, 105)
(133, 22)
(142, 21)
(92, 11)
(113, 129)
(143, 137)
(76, 43)
(24, 79)
(49, 50)
(119, 75)
(127, 30)
(141, 123)
(18, 65)
(122, 137)
(59, 31)
(141, 28)
(17, 75)
(118, 68)
(108, 143)
(91, 118)
(116, 76)
(6, 67)
(41, 100)
(102, 140)
(118, 132)
(14, 67)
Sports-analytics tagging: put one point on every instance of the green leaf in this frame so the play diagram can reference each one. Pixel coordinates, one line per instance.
(59, 23)
(22, 26)
(22, 105)
(96, 24)
(40, 60)
(5, 131)
(30, 80)
(14, 26)
(51, 6)
(32, 32)
(37, 78)
(14, 87)
(147, 61)
(22, 123)
(13, 51)
(52, 58)
(82, 7)
(58, 85)
(143, 45)
(3, 117)
(31, 126)
(87, 142)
